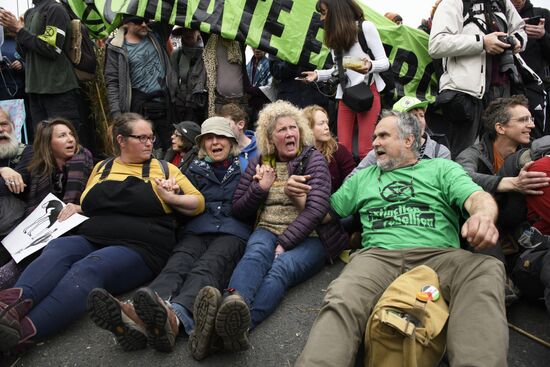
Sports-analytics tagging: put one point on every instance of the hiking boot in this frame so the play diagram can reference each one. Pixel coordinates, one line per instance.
(205, 309)
(159, 318)
(232, 322)
(12, 310)
(119, 318)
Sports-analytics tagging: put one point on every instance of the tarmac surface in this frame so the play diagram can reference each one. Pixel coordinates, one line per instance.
(276, 342)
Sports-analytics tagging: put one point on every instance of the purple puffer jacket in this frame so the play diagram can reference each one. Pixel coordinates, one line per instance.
(249, 197)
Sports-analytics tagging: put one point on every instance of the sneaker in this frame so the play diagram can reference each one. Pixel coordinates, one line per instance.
(159, 318)
(232, 323)
(119, 318)
(12, 310)
(205, 310)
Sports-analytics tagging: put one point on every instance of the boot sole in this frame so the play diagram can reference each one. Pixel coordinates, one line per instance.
(232, 323)
(105, 312)
(155, 318)
(205, 309)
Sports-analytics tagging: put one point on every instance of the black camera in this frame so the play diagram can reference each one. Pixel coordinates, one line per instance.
(507, 64)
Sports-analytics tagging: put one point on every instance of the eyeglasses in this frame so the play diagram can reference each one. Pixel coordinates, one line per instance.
(524, 120)
(177, 134)
(143, 138)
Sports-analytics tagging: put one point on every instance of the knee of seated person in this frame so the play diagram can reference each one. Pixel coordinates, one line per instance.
(490, 266)
(87, 269)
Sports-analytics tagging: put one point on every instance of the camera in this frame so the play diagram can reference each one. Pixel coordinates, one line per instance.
(506, 64)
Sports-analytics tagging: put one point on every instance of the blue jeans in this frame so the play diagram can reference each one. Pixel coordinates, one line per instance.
(59, 280)
(261, 279)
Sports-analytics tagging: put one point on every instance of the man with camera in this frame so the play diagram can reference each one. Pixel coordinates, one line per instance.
(476, 40)
(537, 56)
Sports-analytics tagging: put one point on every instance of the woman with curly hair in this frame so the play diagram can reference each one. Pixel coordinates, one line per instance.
(285, 248)
(340, 161)
(344, 23)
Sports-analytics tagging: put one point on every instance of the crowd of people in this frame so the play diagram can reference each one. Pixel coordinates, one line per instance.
(220, 198)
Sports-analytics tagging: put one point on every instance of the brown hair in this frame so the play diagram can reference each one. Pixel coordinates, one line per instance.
(235, 112)
(327, 147)
(43, 162)
(122, 125)
(498, 111)
(340, 23)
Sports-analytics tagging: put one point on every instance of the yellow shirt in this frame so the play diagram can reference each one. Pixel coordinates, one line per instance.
(120, 171)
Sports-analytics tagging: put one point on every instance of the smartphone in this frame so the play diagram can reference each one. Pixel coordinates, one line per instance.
(534, 20)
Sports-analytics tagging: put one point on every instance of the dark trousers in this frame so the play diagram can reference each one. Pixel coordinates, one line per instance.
(198, 261)
(47, 106)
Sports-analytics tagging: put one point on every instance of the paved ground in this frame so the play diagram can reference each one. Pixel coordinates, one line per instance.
(277, 342)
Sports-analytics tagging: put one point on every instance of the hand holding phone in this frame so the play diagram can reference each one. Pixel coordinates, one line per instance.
(533, 20)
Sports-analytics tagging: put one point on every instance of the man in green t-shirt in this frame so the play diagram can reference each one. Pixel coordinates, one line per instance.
(410, 212)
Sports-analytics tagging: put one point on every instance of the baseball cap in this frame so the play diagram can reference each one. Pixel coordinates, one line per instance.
(216, 125)
(407, 103)
(127, 18)
(188, 129)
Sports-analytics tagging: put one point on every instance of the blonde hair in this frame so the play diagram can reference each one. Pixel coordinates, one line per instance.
(233, 152)
(327, 147)
(267, 119)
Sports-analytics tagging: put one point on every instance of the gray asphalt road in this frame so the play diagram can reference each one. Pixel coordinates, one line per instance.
(276, 342)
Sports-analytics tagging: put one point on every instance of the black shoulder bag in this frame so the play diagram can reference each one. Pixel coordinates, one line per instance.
(359, 97)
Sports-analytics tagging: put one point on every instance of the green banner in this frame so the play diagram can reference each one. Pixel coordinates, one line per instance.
(289, 29)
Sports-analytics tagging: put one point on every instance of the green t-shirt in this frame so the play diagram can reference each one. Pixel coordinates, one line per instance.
(415, 206)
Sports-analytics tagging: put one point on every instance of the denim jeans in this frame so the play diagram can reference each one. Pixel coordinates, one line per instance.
(261, 279)
(59, 280)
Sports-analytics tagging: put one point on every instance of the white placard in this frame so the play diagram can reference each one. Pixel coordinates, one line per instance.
(39, 228)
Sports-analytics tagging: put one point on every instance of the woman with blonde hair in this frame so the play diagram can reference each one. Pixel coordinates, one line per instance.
(340, 161)
(284, 249)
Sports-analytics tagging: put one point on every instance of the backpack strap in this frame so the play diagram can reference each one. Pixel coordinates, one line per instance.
(108, 164)
(164, 167)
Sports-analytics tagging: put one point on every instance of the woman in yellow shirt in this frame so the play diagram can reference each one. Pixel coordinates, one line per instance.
(130, 201)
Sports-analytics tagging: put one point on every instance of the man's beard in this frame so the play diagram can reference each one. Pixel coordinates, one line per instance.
(392, 163)
(8, 149)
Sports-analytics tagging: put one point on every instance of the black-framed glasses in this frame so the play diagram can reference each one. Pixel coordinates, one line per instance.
(143, 138)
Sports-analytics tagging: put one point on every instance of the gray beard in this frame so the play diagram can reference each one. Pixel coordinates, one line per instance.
(394, 163)
(9, 149)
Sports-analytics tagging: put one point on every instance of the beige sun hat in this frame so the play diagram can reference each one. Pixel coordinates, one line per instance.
(216, 125)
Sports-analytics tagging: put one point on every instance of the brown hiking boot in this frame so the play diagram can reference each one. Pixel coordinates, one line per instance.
(12, 310)
(159, 318)
(232, 322)
(119, 318)
(205, 310)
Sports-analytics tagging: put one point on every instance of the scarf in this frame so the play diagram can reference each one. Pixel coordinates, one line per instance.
(77, 169)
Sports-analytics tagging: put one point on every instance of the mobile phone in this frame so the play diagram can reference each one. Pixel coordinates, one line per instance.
(534, 20)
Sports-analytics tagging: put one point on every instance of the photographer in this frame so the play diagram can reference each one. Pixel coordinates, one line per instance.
(537, 56)
(475, 39)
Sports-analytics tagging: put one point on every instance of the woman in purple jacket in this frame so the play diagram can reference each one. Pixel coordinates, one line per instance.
(284, 249)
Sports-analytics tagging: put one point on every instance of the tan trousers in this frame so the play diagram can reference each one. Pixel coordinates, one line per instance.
(472, 284)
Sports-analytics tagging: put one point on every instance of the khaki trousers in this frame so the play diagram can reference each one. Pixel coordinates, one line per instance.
(472, 284)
